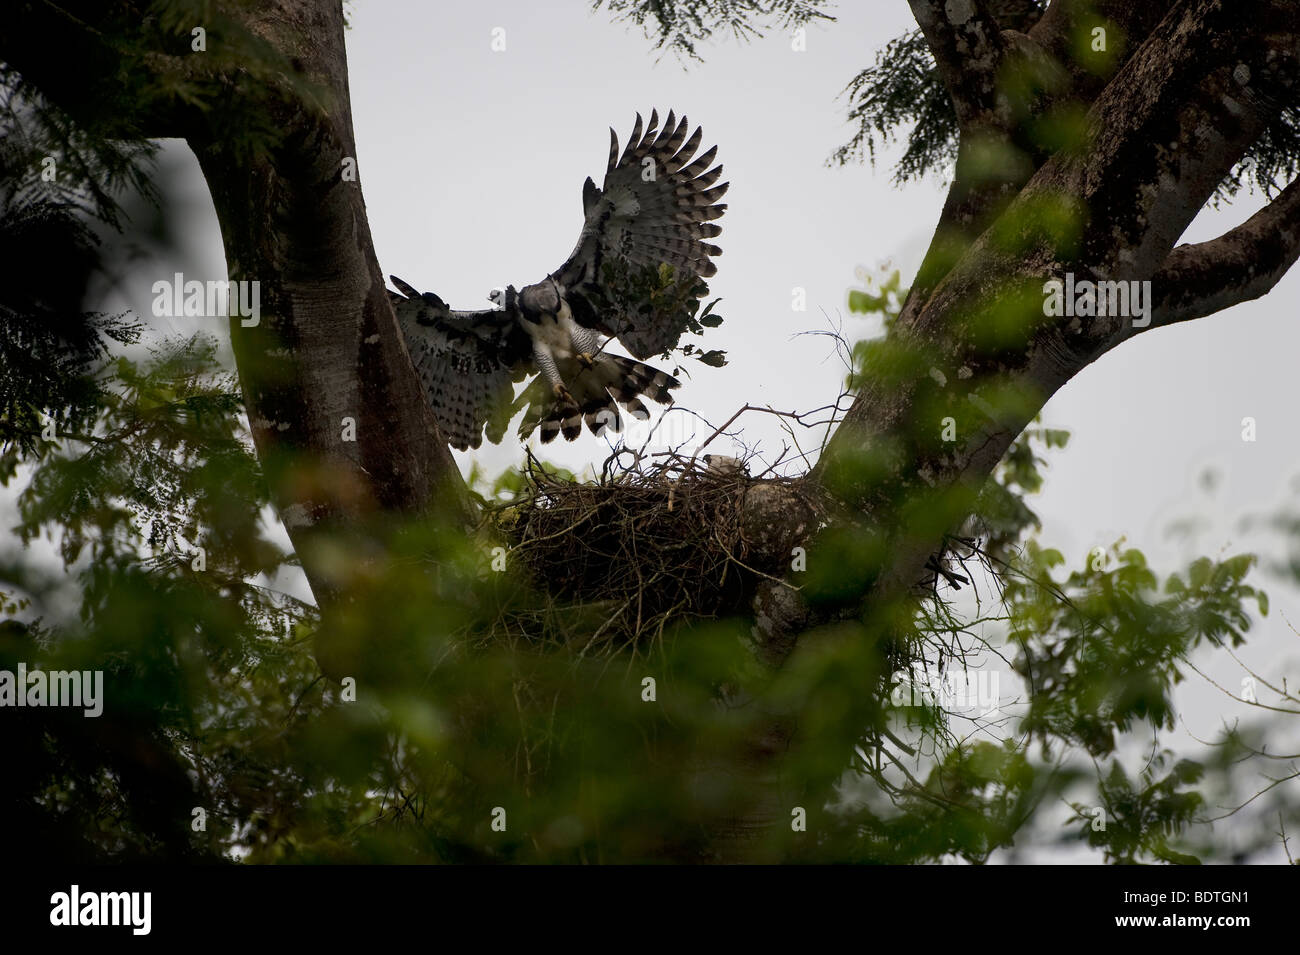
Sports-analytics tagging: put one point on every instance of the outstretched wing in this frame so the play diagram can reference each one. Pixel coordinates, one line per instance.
(638, 263)
(466, 360)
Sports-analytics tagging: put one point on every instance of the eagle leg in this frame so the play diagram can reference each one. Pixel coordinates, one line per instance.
(562, 393)
(586, 360)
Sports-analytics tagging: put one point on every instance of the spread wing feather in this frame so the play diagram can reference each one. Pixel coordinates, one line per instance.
(657, 208)
(466, 360)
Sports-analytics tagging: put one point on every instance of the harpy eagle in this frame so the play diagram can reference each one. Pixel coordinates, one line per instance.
(634, 275)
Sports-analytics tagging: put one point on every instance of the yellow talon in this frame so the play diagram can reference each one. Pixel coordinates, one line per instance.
(562, 393)
(586, 360)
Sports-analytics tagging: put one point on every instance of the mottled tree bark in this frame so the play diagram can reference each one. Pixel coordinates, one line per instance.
(327, 354)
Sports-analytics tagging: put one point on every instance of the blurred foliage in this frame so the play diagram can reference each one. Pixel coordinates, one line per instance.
(54, 182)
(1002, 514)
(1142, 819)
(447, 709)
(1102, 647)
(214, 700)
(1100, 651)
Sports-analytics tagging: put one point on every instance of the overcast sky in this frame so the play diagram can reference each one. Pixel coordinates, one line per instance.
(472, 162)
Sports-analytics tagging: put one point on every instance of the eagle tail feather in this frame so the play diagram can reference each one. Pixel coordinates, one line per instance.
(637, 379)
(560, 418)
(625, 382)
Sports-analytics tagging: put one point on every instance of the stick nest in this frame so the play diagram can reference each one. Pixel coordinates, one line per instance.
(639, 548)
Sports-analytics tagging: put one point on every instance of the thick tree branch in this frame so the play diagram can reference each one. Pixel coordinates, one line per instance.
(1161, 137)
(1019, 15)
(340, 421)
(975, 55)
(1242, 264)
(967, 45)
(1066, 29)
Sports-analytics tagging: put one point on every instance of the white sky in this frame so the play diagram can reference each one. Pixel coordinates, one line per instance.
(472, 163)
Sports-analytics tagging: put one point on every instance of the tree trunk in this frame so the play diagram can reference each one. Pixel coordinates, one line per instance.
(337, 412)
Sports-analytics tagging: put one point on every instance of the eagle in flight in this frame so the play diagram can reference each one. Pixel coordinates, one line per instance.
(633, 276)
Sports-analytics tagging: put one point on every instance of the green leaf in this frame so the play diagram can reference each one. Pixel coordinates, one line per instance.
(864, 302)
(714, 359)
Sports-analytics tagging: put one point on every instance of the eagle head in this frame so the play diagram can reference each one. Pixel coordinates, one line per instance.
(544, 298)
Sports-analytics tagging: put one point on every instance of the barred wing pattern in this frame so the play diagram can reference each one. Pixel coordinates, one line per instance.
(467, 362)
(656, 208)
